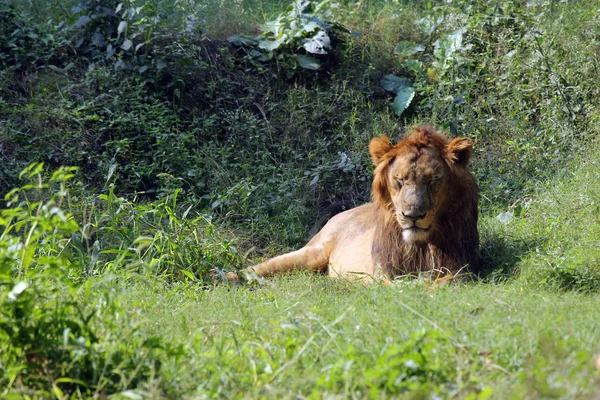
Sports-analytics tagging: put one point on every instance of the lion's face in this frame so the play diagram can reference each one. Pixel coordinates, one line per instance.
(416, 188)
(412, 179)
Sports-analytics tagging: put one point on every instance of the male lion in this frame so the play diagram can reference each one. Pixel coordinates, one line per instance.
(423, 216)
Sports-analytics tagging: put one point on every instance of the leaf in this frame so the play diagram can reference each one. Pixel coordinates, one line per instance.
(447, 46)
(122, 27)
(241, 41)
(98, 39)
(394, 84)
(309, 27)
(17, 290)
(408, 48)
(127, 45)
(426, 25)
(271, 45)
(403, 99)
(415, 66)
(308, 62)
(344, 28)
(188, 274)
(108, 11)
(318, 43)
(271, 27)
(131, 394)
(314, 180)
(83, 20)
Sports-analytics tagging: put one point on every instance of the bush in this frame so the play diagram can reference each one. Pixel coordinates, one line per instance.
(56, 323)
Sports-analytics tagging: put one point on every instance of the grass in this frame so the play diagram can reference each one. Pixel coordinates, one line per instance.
(529, 330)
(311, 336)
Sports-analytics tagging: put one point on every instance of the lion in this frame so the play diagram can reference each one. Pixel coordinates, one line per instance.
(422, 218)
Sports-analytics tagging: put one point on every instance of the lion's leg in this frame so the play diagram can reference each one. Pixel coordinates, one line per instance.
(312, 257)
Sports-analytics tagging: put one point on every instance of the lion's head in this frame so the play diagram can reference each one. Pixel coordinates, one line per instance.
(424, 190)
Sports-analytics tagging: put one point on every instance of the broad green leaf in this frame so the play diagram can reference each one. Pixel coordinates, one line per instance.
(408, 48)
(415, 66)
(344, 28)
(241, 41)
(394, 84)
(426, 25)
(272, 27)
(271, 45)
(309, 27)
(446, 47)
(403, 99)
(308, 62)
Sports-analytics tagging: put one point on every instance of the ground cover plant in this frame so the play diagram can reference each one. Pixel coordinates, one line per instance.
(149, 147)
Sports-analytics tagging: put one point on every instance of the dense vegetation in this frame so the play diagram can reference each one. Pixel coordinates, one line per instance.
(149, 146)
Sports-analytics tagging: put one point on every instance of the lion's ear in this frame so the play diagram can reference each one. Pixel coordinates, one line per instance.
(378, 147)
(459, 152)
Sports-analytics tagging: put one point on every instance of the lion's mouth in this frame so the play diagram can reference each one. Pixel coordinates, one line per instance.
(414, 226)
(416, 229)
(415, 233)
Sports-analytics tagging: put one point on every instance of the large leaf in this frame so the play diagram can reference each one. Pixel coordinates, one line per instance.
(415, 66)
(408, 48)
(318, 43)
(308, 62)
(83, 20)
(344, 28)
(394, 84)
(272, 27)
(271, 45)
(446, 47)
(403, 99)
(241, 41)
(309, 27)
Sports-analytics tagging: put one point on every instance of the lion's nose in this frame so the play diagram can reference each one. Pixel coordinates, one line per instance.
(414, 215)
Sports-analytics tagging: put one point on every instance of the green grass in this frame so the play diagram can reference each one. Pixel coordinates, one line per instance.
(552, 239)
(528, 330)
(309, 335)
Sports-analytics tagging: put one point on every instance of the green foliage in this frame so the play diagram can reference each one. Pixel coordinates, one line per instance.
(305, 24)
(156, 239)
(417, 368)
(121, 30)
(55, 329)
(560, 256)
